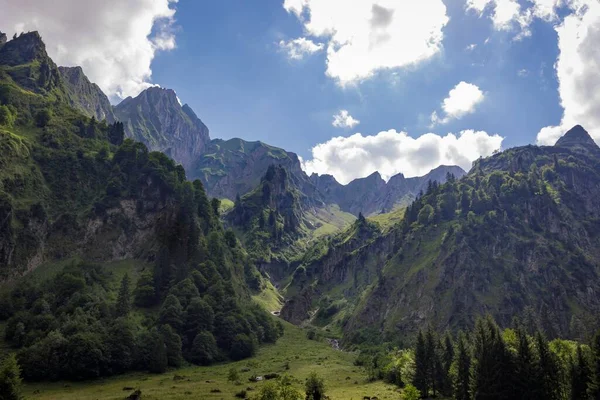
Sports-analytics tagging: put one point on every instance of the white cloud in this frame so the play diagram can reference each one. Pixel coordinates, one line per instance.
(461, 100)
(114, 41)
(343, 119)
(507, 15)
(367, 36)
(523, 73)
(577, 71)
(391, 152)
(298, 48)
(471, 47)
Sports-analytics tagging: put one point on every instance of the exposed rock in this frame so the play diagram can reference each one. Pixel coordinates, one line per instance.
(372, 195)
(156, 119)
(577, 139)
(86, 96)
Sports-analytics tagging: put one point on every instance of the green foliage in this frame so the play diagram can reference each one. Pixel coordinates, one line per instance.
(7, 116)
(233, 375)
(144, 295)
(10, 379)
(204, 349)
(43, 117)
(314, 387)
(411, 393)
(123, 306)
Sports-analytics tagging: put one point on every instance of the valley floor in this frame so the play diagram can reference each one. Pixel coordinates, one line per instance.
(343, 380)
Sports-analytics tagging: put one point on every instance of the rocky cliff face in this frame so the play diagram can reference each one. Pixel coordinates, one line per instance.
(372, 195)
(229, 168)
(156, 119)
(31, 68)
(86, 96)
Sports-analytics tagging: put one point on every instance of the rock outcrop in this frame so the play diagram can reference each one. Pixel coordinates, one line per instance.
(86, 96)
(156, 118)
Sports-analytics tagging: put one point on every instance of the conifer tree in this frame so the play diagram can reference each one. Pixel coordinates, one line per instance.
(421, 380)
(525, 368)
(124, 299)
(462, 380)
(548, 369)
(580, 376)
(594, 390)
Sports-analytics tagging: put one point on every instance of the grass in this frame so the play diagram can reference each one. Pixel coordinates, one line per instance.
(269, 298)
(388, 220)
(343, 380)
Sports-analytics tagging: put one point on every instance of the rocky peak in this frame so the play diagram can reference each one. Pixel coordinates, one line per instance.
(24, 49)
(156, 118)
(578, 139)
(3, 38)
(86, 96)
(37, 72)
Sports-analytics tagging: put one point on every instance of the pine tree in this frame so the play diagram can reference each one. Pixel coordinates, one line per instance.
(421, 380)
(548, 369)
(124, 299)
(462, 380)
(144, 294)
(492, 369)
(525, 368)
(447, 359)
(594, 390)
(580, 376)
(171, 313)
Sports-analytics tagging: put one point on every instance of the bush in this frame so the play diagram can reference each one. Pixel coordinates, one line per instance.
(411, 393)
(10, 379)
(315, 387)
(243, 346)
(43, 117)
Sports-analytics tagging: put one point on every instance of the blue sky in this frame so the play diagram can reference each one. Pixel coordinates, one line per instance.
(494, 71)
(229, 68)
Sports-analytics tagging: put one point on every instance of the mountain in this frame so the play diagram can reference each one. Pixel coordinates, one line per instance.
(156, 118)
(278, 219)
(110, 260)
(372, 195)
(86, 96)
(233, 167)
(517, 236)
(26, 63)
(577, 139)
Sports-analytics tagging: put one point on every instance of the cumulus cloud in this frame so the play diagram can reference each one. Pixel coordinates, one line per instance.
(114, 41)
(343, 119)
(505, 14)
(367, 36)
(577, 70)
(296, 49)
(391, 152)
(461, 100)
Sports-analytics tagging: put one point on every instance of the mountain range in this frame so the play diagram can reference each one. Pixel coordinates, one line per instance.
(517, 236)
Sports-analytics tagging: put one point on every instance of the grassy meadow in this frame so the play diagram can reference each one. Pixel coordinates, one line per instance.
(343, 380)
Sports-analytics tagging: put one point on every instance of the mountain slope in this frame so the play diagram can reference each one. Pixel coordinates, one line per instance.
(86, 96)
(233, 167)
(75, 196)
(518, 236)
(156, 119)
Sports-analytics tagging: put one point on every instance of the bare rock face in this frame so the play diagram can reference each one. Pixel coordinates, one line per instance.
(86, 96)
(577, 139)
(235, 167)
(372, 195)
(3, 38)
(156, 118)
